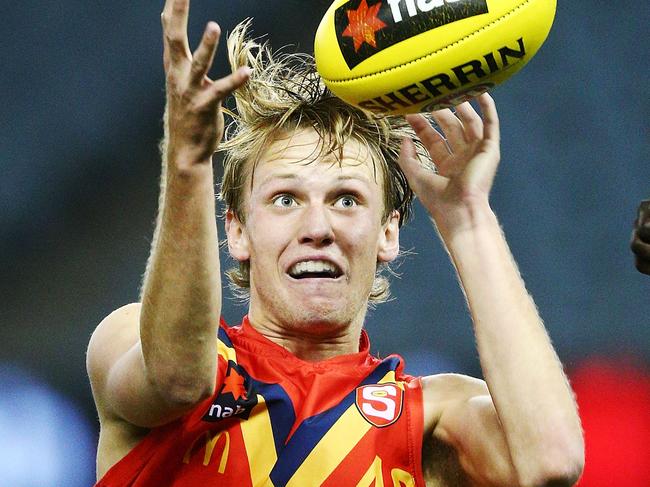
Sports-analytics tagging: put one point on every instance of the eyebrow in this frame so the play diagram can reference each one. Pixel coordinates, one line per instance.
(292, 176)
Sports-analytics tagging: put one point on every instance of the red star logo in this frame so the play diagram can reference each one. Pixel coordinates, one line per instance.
(234, 383)
(363, 24)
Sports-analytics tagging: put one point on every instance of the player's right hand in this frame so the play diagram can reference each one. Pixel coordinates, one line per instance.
(194, 124)
(641, 238)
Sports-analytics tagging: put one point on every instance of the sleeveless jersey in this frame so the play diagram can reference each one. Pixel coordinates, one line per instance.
(276, 420)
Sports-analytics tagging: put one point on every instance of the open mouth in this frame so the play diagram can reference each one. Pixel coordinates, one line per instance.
(315, 269)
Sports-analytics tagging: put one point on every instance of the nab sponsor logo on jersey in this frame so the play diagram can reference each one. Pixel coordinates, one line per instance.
(366, 27)
(236, 396)
(380, 404)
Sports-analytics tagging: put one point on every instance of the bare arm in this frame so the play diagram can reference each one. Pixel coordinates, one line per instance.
(533, 403)
(156, 375)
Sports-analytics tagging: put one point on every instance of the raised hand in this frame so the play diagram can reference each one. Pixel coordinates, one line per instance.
(194, 122)
(466, 161)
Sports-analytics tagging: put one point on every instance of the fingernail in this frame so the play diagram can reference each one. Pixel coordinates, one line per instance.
(246, 70)
(213, 30)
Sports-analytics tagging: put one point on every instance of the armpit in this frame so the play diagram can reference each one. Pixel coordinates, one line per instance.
(441, 466)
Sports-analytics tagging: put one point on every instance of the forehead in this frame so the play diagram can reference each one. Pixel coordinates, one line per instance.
(304, 153)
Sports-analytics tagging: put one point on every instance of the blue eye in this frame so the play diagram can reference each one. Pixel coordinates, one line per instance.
(284, 201)
(346, 201)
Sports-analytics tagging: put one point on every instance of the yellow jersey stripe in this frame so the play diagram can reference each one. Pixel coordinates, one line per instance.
(226, 352)
(259, 442)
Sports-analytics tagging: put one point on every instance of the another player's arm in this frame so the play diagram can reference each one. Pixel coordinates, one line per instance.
(640, 243)
(151, 365)
(531, 401)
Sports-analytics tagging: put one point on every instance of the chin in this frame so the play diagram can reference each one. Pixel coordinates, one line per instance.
(325, 312)
(322, 315)
(313, 311)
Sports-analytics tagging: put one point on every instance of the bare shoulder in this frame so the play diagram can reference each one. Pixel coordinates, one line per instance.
(119, 327)
(463, 442)
(442, 390)
(453, 382)
(113, 337)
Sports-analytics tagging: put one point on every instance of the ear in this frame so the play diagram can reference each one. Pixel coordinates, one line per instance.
(237, 238)
(389, 239)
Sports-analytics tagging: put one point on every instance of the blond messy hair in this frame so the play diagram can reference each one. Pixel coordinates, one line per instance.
(285, 94)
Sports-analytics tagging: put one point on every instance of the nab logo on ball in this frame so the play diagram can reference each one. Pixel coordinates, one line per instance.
(366, 27)
(380, 404)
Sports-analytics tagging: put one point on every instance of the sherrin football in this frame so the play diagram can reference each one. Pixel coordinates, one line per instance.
(407, 56)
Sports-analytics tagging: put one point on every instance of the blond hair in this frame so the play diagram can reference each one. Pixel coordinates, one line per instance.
(285, 94)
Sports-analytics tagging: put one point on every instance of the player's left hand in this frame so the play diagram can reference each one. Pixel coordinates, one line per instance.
(641, 238)
(466, 158)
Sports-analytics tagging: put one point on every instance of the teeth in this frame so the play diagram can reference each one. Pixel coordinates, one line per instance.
(312, 266)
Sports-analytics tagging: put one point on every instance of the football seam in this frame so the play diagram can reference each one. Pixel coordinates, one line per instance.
(448, 46)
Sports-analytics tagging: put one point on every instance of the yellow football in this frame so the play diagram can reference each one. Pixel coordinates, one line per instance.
(407, 56)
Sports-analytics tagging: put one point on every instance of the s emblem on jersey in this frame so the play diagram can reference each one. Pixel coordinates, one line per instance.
(236, 396)
(380, 404)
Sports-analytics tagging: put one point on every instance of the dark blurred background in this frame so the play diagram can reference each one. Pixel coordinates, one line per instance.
(81, 102)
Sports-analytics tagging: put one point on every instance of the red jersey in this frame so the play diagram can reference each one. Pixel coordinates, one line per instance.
(276, 420)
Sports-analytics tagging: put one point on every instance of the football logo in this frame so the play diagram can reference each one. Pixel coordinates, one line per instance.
(380, 404)
(366, 27)
(363, 25)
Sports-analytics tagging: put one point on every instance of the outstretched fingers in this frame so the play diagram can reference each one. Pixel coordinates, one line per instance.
(452, 128)
(223, 87)
(204, 54)
(433, 140)
(491, 131)
(174, 22)
(419, 177)
(472, 123)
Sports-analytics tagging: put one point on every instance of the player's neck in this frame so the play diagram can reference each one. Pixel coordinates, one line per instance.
(311, 342)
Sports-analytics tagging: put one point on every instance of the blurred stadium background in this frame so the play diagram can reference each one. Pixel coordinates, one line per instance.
(82, 96)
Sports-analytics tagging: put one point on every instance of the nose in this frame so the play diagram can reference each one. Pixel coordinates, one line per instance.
(316, 227)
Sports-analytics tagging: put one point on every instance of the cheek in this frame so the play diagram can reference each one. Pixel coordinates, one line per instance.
(267, 238)
(363, 238)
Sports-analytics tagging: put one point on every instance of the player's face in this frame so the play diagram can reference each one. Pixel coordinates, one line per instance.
(313, 234)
